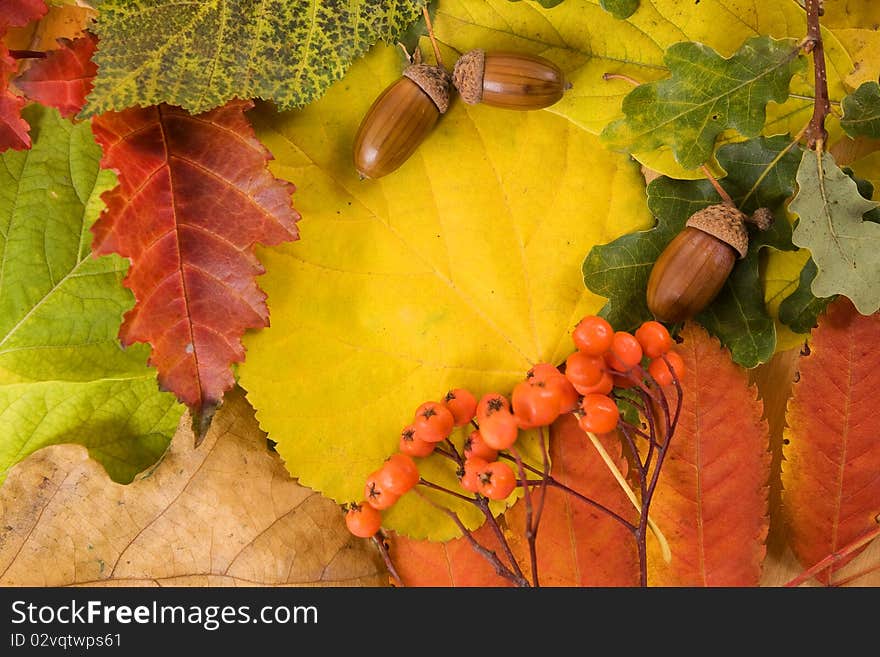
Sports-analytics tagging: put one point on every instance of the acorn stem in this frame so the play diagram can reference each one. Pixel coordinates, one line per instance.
(431, 36)
(718, 188)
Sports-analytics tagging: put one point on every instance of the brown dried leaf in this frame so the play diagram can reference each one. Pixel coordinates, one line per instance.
(224, 514)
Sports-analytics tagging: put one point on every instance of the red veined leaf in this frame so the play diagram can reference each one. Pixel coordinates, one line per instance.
(577, 544)
(194, 197)
(17, 13)
(454, 563)
(64, 78)
(711, 499)
(13, 128)
(831, 485)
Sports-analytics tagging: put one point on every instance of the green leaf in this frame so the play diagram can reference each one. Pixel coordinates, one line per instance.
(620, 269)
(846, 248)
(63, 375)
(705, 95)
(620, 8)
(801, 309)
(199, 55)
(861, 111)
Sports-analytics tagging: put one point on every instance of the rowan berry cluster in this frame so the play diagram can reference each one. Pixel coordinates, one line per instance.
(605, 359)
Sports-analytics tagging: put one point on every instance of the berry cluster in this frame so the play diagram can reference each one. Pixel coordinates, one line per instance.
(605, 359)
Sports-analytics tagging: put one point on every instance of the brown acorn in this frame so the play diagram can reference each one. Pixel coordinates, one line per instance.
(508, 80)
(400, 119)
(693, 267)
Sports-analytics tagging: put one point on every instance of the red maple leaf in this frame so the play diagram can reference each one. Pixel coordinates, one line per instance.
(194, 197)
(64, 78)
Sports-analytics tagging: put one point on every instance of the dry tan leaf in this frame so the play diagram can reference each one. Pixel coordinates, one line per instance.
(224, 514)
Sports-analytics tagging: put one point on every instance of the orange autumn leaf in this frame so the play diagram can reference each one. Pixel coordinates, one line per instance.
(711, 498)
(831, 487)
(453, 563)
(577, 544)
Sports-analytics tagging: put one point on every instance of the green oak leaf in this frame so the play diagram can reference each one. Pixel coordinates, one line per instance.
(199, 55)
(620, 269)
(861, 111)
(845, 247)
(705, 95)
(801, 309)
(63, 375)
(620, 8)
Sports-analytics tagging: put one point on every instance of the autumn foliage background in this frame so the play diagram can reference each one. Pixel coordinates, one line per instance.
(211, 330)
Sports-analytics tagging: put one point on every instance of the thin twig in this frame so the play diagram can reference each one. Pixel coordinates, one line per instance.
(483, 503)
(856, 576)
(530, 529)
(833, 558)
(555, 483)
(430, 484)
(383, 550)
(816, 133)
(489, 555)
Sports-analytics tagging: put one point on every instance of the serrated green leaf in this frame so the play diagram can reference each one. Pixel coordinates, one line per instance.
(845, 248)
(63, 375)
(861, 111)
(199, 55)
(801, 309)
(705, 95)
(620, 269)
(620, 8)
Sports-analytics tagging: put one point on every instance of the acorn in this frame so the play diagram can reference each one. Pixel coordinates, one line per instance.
(508, 80)
(400, 119)
(693, 267)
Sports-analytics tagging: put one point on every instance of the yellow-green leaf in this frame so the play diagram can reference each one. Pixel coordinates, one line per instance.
(462, 268)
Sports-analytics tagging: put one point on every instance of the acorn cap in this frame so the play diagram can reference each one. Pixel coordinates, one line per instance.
(724, 222)
(468, 75)
(433, 80)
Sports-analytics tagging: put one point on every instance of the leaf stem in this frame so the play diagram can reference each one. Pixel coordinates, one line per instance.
(620, 76)
(612, 467)
(816, 133)
(718, 188)
(430, 27)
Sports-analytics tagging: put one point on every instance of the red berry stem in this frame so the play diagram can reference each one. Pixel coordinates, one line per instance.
(483, 503)
(545, 455)
(500, 569)
(430, 484)
(383, 550)
(453, 452)
(531, 526)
